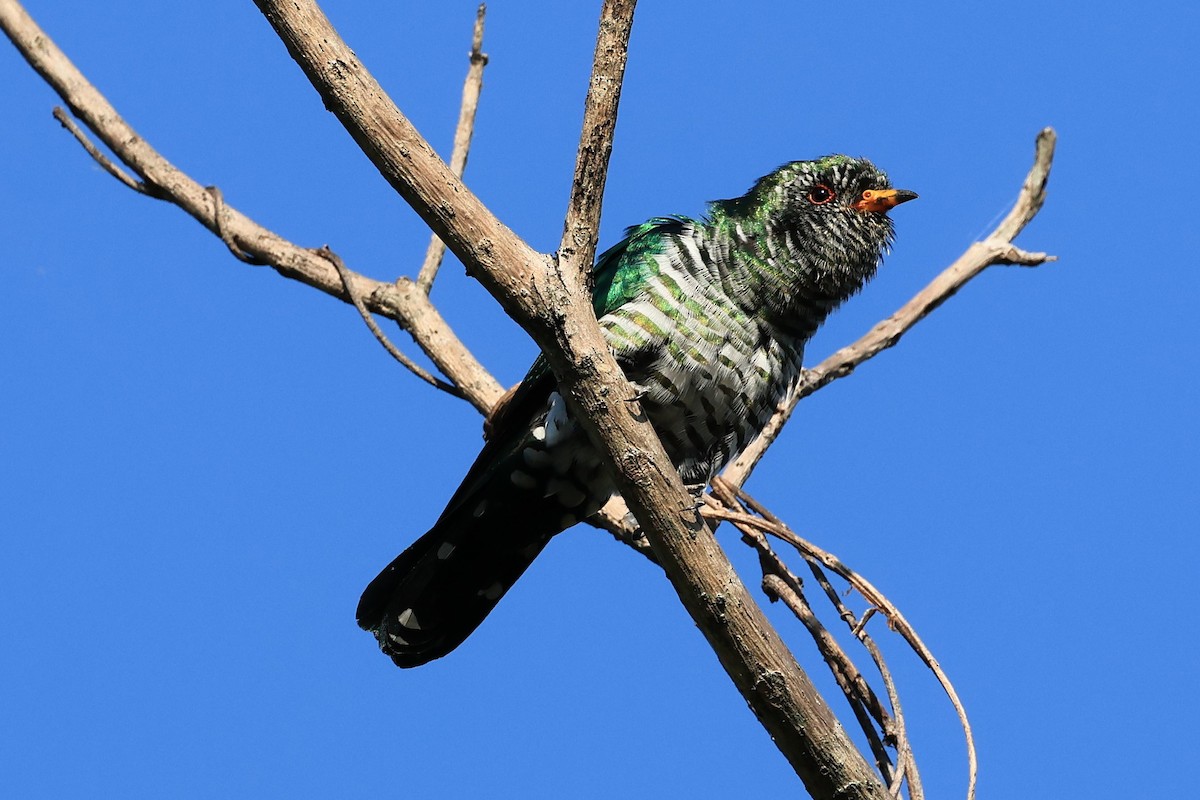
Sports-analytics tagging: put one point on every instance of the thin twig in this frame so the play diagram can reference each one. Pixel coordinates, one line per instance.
(780, 583)
(220, 215)
(896, 730)
(904, 755)
(414, 368)
(893, 728)
(845, 674)
(577, 250)
(725, 497)
(876, 598)
(786, 587)
(463, 132)
(104, 161)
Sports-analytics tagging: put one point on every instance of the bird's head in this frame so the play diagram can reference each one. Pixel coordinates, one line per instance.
(835, 206)
(819, 228)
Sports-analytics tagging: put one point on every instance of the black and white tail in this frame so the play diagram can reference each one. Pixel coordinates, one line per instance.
(427, 601)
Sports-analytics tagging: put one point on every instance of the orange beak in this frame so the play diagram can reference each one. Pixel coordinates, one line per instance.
(882, 199)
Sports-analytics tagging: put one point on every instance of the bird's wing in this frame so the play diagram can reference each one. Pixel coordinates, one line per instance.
(622, 270)
(618, 278)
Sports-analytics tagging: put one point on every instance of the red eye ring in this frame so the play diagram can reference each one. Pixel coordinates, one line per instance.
(820, 194)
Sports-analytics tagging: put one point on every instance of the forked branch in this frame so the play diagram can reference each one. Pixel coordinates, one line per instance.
(726, 504)
(159, 178)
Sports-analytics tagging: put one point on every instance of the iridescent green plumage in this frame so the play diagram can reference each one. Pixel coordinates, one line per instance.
(708, 318)
(622, 270)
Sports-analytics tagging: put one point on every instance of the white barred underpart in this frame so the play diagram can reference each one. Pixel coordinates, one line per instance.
(713, 380)
(719, 374)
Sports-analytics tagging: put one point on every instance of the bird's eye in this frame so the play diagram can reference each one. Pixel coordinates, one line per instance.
(820, 194)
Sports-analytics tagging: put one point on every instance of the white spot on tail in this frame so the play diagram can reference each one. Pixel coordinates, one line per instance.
(479, 510)
(409, 620)
(445, 550)
(492, 592)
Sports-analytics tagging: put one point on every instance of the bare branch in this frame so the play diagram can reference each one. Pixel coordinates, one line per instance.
(896, 620)
(754, 656)
(412, 310)
(492, 252)
(847, 676)
(780, 583)
(996, 249)
(462, 142)
(414, 368)
(220, 216)
(577, 250)
(161, 179)
(104, 161)
(1033, 191)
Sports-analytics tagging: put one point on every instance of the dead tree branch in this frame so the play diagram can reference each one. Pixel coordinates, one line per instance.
(104, 161)
(730, 498)
(462, 142)
(380, 336)
(159, 178)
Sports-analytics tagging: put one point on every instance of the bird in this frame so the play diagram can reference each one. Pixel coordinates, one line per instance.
(708, 318)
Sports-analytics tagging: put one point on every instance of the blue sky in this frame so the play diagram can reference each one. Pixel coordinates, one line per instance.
(202, 464)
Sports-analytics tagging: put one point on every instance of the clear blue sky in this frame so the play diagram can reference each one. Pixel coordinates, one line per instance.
(202, 464)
